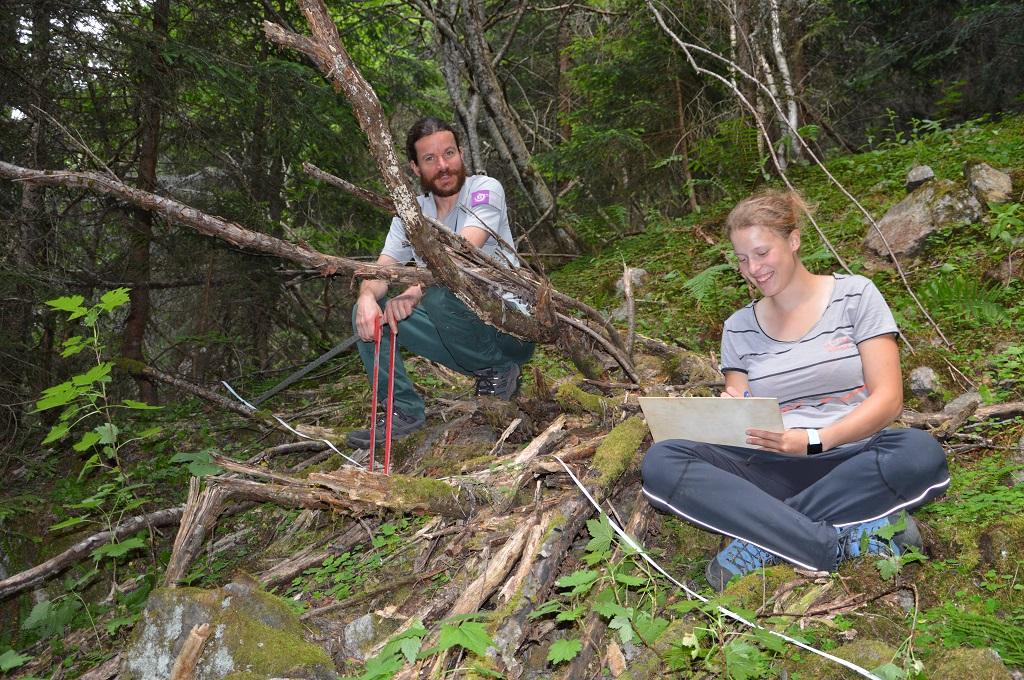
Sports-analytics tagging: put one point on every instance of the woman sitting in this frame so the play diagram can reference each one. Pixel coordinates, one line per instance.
(825, 346)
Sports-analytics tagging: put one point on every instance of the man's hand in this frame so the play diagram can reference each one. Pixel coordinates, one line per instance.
(401, 307)
(793, 441)
(367, 311)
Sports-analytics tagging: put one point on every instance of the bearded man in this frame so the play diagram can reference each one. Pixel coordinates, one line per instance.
(432, 322)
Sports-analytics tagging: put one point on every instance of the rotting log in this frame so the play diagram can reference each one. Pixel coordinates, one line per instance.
(560, 527)
(188, 658)
(594, 626)
(52, 567)
(201, 512)
(1008, 409)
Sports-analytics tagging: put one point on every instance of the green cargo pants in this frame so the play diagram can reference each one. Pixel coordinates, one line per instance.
(443, 329)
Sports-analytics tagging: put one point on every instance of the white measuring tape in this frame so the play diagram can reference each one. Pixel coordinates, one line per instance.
(290, 428)
(732, 615)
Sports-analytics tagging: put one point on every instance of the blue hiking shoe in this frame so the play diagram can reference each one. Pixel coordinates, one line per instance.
(863, 539)
(738, 559)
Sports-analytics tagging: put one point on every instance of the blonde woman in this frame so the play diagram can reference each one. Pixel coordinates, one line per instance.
(825, 346)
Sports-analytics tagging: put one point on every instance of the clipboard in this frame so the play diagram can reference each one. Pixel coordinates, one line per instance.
(714, 420)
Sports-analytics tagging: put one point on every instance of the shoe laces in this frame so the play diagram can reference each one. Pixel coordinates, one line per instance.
(747, 556)
(489, 381)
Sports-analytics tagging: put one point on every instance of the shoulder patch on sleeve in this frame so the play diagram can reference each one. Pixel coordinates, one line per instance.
(480, 197)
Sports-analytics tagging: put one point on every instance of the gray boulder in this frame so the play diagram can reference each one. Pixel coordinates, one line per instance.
(927, 209)
(924, 381)
(918, 175)
(255, 635)
(988, 184)
(637, 277)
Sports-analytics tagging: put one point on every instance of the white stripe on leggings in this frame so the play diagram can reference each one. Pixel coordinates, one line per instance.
(912, 501)
(694, 520)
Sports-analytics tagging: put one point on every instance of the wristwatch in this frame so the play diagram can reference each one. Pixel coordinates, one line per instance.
(813, 442)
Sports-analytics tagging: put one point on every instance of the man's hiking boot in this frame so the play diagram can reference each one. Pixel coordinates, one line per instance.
(738, 559)
(401, 426)
(504, 384)
(863, 539)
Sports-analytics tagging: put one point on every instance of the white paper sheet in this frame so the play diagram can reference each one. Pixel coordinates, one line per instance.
(710, 419)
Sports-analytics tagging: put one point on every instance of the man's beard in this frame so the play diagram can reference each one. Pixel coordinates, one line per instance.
(430, 187)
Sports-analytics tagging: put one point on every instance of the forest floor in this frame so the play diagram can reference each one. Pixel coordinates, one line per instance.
(503, 568)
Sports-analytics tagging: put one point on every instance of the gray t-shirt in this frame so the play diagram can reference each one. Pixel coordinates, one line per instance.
(819, 378)
(481, 204)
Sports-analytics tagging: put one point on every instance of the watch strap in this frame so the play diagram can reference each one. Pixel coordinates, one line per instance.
(813, 442)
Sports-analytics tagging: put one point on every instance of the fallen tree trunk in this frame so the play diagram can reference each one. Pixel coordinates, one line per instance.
(38, 574)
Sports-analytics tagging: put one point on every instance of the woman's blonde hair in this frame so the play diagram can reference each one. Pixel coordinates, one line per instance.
(780, 211)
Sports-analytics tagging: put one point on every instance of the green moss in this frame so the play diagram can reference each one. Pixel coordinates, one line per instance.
(957, 664)
(865, 653)
(618, 450)
(575, 400)
(270, 651)
(753, 590)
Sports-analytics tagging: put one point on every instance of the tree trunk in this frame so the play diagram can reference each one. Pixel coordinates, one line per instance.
(141, 226)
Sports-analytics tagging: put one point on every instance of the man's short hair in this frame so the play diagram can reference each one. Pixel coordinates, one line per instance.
(425, 127)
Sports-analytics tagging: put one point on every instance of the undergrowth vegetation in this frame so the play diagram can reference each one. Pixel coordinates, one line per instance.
(968, 591)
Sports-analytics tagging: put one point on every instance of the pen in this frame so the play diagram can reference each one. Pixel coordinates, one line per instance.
(746, 393)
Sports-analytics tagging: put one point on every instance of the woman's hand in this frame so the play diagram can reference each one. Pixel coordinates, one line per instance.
(793, 441)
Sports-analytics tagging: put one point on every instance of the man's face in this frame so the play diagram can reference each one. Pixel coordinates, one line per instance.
(438, 164)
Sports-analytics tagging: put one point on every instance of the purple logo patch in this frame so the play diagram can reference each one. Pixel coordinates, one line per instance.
(482, 197)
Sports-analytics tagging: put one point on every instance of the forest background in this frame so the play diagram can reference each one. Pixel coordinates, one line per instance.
(615, 147)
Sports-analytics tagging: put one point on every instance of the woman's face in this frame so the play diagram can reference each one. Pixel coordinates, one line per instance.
(766, 258)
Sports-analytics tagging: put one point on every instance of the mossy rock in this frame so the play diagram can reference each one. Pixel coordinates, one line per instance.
(999, 546)
(689, 367)
(619, 449)
(650, 663)
(978, 664)
(751, 591)
(865, 653)
(576, 400)
(255, 635)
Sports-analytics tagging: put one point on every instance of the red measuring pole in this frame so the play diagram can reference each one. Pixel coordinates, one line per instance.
(373, 408)
(391, 401)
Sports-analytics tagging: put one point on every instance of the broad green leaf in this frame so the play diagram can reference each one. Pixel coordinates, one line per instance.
(548, 607)
(649, 627)
(476, 637)
(571, 614)
(410, 647)
(743, 660)
(198, 468)
(98, 373)
(601, 532)
(629, 580)
(39, 615)
(564, 650)
(113, 299)
(888, 567)
(890, 671)
(69, 522)
(381, 667)
(72, 303)
(118, 549)
(140, 405)
(108, 433)
(73, 346)
(87, 441)
(90, 463)
(115, 625)
(150, 432)
(10, 660)
(579, 581)
(58, 395)
(621, 623)
(57, 432)
(889, 530)
(609, 609)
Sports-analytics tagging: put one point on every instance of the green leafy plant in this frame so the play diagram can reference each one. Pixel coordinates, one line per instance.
(963, 297)
(87, 412)
(1008, 226)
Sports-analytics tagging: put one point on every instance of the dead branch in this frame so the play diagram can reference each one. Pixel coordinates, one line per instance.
(939, 419)
(370, 594)
(373, 198)
(188, 657)
(201, 512)
(289, 569)
(52, 567)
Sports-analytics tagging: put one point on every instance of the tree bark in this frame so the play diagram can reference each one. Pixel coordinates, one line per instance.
(140, 228)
